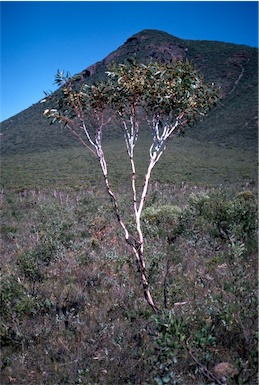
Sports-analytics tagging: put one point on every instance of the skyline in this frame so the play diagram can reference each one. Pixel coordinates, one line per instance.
(38, 38)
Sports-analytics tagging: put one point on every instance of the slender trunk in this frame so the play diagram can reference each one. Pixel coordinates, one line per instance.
(135, 245)
(139, 250)
(145, 284)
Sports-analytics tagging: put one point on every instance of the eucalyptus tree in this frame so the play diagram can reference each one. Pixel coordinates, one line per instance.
(166, 96)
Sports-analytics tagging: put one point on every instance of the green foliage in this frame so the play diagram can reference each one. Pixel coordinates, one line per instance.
(165, 214)
(30, 267)
(161, 220)
(175, 338)
(8, 231)
(233, 220)
(166, 93)
(163, 90)
(15, 300)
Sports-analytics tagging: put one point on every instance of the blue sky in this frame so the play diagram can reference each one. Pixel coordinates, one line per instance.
(38, 38)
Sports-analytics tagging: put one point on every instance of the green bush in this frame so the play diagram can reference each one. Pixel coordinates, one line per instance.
(226, 217)
(29, 266)
(16, 301)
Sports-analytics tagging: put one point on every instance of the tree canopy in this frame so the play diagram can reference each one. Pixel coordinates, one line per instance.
(165, 91)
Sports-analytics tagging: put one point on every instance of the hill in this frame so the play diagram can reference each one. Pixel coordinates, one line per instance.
(234, 67)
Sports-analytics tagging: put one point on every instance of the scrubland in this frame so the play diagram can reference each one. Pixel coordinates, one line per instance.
(72, 308)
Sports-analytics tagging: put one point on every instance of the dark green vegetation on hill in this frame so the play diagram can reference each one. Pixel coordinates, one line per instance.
(72, 310)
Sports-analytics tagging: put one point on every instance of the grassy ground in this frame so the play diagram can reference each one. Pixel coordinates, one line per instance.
(185, 160)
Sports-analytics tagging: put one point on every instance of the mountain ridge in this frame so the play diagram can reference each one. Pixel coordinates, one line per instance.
(233, 67)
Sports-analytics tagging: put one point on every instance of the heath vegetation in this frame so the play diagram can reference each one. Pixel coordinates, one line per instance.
(72, 310)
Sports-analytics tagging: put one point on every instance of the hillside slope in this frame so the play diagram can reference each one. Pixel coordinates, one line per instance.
(234, 67)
